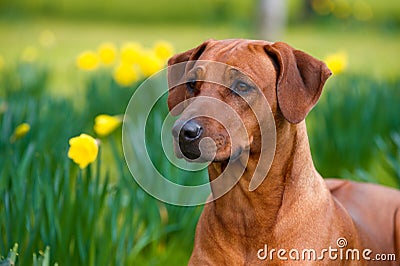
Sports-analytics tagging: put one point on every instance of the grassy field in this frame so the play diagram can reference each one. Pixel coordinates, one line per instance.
(370, 50)
(74, 37)
(171, 11)
(143, 230)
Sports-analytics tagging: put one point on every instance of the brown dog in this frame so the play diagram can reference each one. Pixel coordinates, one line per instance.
(293, 216)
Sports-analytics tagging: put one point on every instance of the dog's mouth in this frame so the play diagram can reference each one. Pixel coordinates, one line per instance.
(193, 142)
(204, 140)
(194, 154)
(206, 149)
(236, 154)
(190, 151)
(201, 150)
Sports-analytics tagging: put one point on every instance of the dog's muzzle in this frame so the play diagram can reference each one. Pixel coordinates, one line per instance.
(188, 134)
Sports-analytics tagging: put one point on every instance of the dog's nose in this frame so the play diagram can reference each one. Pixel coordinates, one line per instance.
(191, 130)
(187, 134)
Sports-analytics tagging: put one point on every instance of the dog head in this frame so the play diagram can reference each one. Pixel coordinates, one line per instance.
(218, 87)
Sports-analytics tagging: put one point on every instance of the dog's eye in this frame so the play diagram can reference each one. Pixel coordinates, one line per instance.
(191, 85)
(241, 87)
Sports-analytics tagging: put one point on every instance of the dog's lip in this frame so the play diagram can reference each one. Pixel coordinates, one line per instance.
(236, 154)
(188, 150)
(191, 155)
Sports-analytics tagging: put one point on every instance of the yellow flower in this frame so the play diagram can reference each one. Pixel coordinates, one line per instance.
(149, 63)
(131, 52)
(106, 124)
(20, 131)
(125, 74)
(362, 10)
(29, 54)
(47, 38)
(163, 50)
(323, 7)
(336, 62)
(88, 60)
(107, 53)
(83, 150)
(342, 9)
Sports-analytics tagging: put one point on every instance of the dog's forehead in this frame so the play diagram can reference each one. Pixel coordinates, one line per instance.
(229, 50)
(246, 56)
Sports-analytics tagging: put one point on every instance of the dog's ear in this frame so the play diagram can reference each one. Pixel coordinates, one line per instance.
(178, 65)
(300, 80)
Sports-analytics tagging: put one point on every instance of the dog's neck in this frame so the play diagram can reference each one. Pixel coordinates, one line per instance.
(292, 172)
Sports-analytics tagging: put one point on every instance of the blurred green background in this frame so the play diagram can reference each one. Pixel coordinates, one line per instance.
(99, 216)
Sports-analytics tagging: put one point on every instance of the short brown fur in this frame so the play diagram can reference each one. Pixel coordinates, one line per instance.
(293, 207)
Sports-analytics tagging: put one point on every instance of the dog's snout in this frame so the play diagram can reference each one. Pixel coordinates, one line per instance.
(188, 134)
(191, 130)
(176, 129)
(187, 130)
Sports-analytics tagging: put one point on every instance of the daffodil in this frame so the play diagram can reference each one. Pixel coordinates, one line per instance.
(163, 50)
(106, 124)
(362, 10)
(336, 62)
(20, 131)
(342, 9)
(125, 74)
(149, 63)
(323, 7)
(88, 60)
(29, 54)
(131, 52)
(83, 150)
(107, 53)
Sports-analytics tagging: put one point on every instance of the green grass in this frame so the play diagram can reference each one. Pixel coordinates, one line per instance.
(158, 11)
(353, 113)
(74, 37)
(97, 216)
(371, 51)
(48, 201)
(175, 11)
